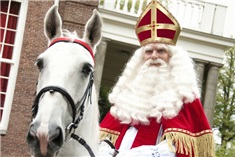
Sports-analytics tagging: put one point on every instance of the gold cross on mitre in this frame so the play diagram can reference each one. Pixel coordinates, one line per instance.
(157, 24)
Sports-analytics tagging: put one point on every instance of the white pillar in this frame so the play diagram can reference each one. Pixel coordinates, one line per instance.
(200, 67)
(210, 91)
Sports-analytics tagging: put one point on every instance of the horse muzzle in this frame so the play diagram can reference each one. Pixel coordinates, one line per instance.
(44, 141)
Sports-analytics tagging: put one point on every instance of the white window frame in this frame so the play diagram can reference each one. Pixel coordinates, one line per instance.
(14, 65)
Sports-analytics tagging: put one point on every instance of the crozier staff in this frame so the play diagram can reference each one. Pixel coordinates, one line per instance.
(156, 102)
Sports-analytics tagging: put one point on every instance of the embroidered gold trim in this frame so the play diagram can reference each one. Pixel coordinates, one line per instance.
(188, 132)
(110, 131)
(111, 135)
(200, 144)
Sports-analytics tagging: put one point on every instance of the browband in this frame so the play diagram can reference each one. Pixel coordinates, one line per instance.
(77, 41)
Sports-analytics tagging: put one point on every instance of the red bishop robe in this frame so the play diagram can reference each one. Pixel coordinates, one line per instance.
(189, 131)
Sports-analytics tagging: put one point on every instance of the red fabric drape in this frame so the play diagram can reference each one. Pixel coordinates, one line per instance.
(7, 50)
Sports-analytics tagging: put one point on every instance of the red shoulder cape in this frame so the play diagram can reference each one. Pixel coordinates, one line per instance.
(189, 131)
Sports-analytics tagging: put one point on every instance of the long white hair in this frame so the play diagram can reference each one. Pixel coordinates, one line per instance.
(142, 91)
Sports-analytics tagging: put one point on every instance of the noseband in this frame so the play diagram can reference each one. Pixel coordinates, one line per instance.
(69, 99)
(72, 126)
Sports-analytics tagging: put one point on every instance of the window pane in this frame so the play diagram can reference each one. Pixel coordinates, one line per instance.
(2, 96)
(3, 20)
(1, 35)
(4, 6)
(12, 21)
(15, 7)
(7, 52)
(5, 69)
(10, 36)
(3, 85)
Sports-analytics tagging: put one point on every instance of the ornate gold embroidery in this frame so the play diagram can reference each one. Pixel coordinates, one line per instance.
(109, 134)
(201, 144)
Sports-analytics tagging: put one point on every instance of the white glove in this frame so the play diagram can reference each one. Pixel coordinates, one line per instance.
(105, 150)
(160, 150)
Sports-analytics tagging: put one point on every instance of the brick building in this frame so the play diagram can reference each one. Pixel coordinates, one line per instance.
(26, 42)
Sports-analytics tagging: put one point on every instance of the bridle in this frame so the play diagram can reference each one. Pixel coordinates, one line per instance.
(70, 129)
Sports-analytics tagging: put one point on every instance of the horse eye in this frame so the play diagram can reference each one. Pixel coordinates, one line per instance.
(39, 64)
(87, 68)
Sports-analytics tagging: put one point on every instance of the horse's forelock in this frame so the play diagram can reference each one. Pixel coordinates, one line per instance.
(72, 35)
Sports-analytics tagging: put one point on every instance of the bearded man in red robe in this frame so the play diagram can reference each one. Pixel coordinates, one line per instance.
(156, 102)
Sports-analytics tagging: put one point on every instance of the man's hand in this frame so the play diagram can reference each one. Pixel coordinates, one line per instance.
(106, 150)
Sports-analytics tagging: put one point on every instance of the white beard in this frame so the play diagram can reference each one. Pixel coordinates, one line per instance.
(144, 91)
(145, 96)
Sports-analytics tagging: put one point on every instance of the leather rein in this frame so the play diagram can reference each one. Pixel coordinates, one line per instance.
(70, 129)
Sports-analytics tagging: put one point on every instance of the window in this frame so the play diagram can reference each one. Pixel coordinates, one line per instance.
(13, 17)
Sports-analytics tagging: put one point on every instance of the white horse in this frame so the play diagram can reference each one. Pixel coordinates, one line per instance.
(66, 105)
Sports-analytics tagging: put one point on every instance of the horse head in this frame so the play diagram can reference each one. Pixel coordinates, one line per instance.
(65, 102)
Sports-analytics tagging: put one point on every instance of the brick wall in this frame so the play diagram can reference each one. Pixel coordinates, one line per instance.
(74, 14)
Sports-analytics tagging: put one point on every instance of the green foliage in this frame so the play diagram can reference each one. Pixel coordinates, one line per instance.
(144, 5)
(101, 2)
(122, 3)
(103, 102)
(137, 4)
(224, 151)
(224, 119)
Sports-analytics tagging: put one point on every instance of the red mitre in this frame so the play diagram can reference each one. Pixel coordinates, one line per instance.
(157, 24)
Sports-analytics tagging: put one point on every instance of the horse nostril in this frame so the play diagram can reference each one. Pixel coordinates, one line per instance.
(56, 137)
(31, 137)
(33, 142)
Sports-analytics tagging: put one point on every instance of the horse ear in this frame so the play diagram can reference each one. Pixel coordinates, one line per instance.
(92, 33)
(52, 24)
